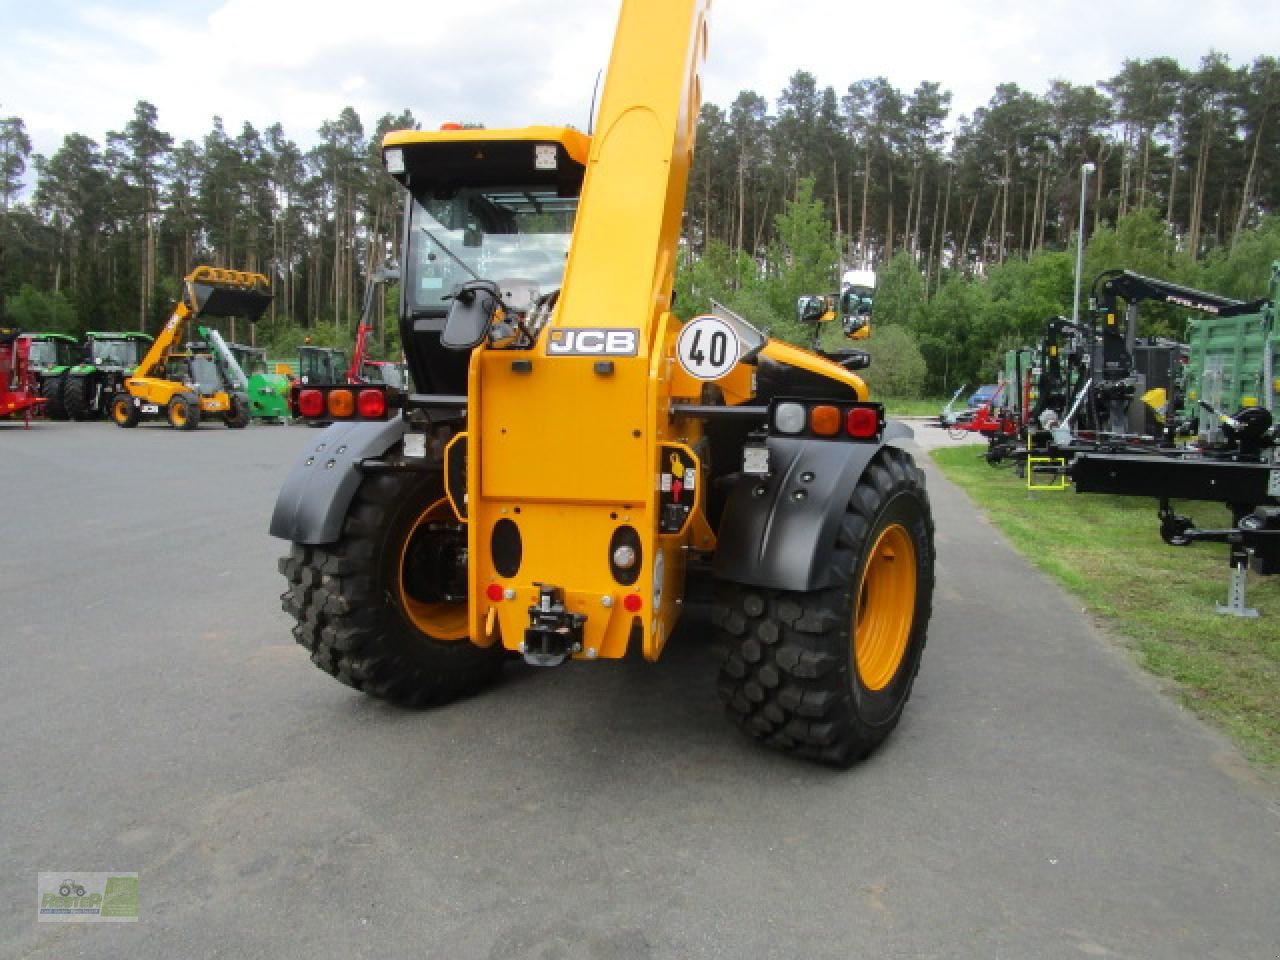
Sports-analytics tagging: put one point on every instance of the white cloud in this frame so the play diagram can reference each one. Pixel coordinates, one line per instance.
(510, 62)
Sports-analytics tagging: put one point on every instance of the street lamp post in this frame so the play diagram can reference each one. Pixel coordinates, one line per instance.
(1085, 170)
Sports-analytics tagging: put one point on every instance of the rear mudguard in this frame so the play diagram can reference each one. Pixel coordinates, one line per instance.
(315, 498)
(780, 531)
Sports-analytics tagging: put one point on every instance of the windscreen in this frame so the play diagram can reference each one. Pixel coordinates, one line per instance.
(321, 366)
(116, 353)
(205, 373)
(44, 353)
(498, 234)
(251, 360)
(387, 373)
(858, 300)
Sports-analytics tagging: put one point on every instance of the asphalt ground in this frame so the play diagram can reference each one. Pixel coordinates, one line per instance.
(1041, 797)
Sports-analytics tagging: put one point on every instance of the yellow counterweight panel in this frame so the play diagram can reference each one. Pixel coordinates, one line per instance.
(562, 431)
(561, 452)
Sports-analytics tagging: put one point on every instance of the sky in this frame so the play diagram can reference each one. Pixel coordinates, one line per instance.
(80, 65)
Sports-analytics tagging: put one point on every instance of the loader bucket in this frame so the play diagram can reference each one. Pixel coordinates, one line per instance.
(229, 293)
(214, 301)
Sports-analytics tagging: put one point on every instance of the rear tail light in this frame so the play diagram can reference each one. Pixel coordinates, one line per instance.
(836, 421)
(825, 421)
(372, 404)
(342, 403)
(789, 418)
(862, 423)
(310, 403)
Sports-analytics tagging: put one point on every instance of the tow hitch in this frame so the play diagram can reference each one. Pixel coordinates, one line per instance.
(553, 632)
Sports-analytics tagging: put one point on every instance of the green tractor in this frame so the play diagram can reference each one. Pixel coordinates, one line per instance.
(268, 392)
(52, 356)
(109, 358)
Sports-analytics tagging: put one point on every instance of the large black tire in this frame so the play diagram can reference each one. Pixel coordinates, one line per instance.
(121, 409)
(52, 389)
(184, 412)
(793, 671)
(237, 417)
(77, 398)
(352, 614)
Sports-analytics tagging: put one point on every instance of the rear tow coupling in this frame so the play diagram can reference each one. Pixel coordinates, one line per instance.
(553, 632)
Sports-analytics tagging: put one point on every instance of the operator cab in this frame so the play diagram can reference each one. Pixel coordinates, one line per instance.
(199, 370)
(104, 350)
(319, 366)
(54, 350)
(252, 360)
(488, 230)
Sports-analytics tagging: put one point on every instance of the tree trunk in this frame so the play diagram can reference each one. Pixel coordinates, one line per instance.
(1248, 183)
(933, 244)
(742, 205)
(968, 229)
(942, 235)
(1004, 206)
(866, 189)
(1146, 167)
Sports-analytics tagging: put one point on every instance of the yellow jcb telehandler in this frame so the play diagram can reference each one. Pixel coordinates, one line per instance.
(186, 382)
(579, 461)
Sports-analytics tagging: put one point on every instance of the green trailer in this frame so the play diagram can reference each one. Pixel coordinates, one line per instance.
(52, 357)
(1021, 380)
(1234, 362)
(109, 357)
(268, 391)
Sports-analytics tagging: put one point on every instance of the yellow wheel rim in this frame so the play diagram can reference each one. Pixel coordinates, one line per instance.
(441, 621)
(179, 413)
(120, 409)
(886, 607)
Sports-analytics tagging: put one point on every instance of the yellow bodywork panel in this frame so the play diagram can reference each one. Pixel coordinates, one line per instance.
(794, 356)
(529, 451)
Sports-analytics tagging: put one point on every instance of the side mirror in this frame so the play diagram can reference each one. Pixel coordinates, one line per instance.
(470, 315)
(810, 309)
(858, 360)
(857, 326)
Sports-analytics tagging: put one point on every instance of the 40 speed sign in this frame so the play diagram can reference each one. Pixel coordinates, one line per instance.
(707, 348)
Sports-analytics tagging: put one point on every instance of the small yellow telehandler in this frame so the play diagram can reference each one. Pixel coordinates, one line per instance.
(182, 382)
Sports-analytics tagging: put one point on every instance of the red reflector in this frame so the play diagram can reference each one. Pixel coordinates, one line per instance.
(863, 423)
(494, 592)
(450, 126)
(372, 403)
(632, 602)
(310, 403)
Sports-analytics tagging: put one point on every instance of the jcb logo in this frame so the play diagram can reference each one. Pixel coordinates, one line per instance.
(593, 343)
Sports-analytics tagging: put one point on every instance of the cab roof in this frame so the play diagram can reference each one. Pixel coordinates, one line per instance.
(447, 159)
(118, 335)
